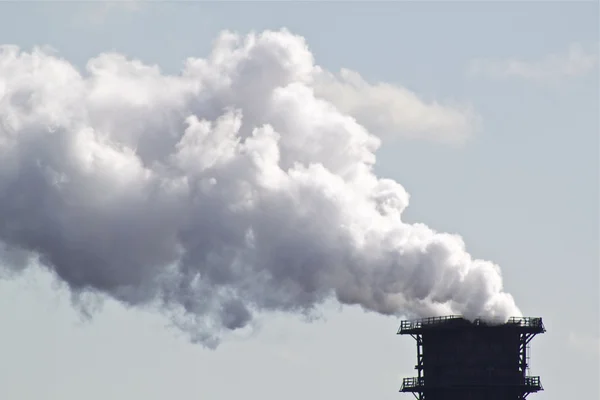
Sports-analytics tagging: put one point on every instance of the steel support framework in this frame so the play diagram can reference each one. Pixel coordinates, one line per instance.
(526, 328)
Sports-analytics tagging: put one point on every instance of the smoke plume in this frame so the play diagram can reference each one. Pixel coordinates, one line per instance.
(229, 189)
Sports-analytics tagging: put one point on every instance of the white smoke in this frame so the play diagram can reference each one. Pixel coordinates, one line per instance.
(226, 190)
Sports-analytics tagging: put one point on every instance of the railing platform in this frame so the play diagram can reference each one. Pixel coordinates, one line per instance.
(525, 324)
(529, 384)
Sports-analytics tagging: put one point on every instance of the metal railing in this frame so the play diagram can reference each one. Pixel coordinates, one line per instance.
(525, 322)
(529, 383)
(419, 323)
(411, 383)
(533, 382)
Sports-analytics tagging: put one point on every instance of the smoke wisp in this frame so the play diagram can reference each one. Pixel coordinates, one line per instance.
(228, 189)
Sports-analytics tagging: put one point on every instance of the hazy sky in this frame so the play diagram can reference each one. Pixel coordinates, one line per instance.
(503, 150)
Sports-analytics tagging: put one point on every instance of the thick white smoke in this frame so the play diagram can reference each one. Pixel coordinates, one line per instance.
(229, 189)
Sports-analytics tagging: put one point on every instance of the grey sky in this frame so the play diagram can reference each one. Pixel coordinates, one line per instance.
(522, 191)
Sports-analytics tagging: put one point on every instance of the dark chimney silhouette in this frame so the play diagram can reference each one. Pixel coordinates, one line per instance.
(472, 360)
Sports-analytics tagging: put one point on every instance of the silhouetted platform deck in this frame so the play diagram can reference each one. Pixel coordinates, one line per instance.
(523, 324)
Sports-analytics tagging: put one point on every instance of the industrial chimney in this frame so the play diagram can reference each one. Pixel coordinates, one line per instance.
(472, 360)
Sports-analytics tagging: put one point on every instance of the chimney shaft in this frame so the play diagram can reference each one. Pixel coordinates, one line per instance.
(472, 360)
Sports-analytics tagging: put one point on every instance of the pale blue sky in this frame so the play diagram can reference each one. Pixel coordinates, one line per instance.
(523, 192)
